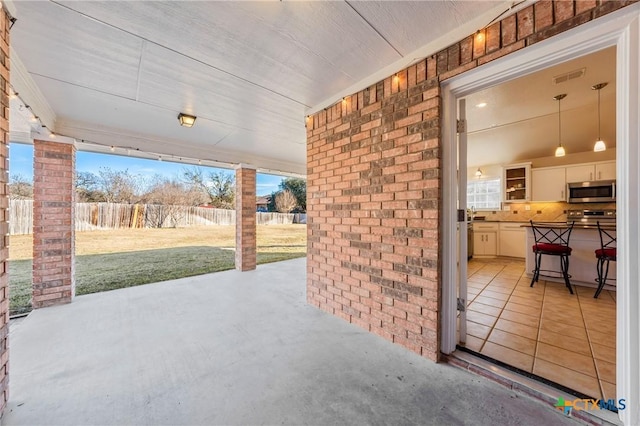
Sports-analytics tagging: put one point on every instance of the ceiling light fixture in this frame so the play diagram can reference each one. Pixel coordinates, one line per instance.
(599, 145)
(478, 173)
(560, 149)
(186, 120)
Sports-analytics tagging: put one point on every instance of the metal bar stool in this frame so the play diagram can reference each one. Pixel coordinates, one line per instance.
(605, 254)
(552, 240)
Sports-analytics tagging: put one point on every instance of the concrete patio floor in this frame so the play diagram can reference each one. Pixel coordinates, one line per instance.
(235, 348)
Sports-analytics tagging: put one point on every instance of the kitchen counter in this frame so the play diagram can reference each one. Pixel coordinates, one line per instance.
(562, 225)
(582, 262)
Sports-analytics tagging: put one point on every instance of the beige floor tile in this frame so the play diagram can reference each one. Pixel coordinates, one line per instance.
(518, 329)
(473, 343)
(499, 289)
(497, 303)
(480, 331)
(601, 326)
(567, 377)
(602, 352)
(608, 390)
(484, 309)
(527, 294)
(495, 295)
(573, 334)
(481, 318)
(479, 280)
(524, 301)
(476, 286)
(508, 356)
(529, 320)
(512, 341)
(523, 309)
(577, 332)
(565, 341)
(605, 339)
(563, 317)
(606, 371)
(580, 363)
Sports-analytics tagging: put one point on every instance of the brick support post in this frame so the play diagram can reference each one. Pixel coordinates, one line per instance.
(4, 204)
(245, 218)
(53, 223)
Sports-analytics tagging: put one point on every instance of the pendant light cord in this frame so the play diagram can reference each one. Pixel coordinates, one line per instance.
(559, 125)
(599, 138)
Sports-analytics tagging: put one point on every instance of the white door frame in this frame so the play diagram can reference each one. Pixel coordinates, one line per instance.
(620, 29)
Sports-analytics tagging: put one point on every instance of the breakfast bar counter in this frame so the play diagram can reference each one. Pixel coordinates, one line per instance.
(582, 262)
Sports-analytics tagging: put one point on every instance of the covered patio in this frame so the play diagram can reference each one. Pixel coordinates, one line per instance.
(235, 348)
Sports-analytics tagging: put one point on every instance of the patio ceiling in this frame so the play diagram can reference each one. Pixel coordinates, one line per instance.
(118, 73)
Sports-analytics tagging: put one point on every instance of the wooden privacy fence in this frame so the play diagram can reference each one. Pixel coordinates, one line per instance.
(102, 216)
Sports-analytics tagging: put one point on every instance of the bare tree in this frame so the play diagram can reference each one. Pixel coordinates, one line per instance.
(169, 199)
(217, 187)
(119, 186)
(87, 188)
(20, 188)
(285, 201)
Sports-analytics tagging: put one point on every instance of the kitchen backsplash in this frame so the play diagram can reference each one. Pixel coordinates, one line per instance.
(545, 212)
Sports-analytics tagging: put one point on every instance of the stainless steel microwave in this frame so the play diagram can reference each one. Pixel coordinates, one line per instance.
(599, 191)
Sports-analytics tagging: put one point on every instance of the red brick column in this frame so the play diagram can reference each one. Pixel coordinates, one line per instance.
(4, 204)
(53, 223)
(245, 218)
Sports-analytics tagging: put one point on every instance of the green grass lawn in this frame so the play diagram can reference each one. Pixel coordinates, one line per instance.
(109, 271)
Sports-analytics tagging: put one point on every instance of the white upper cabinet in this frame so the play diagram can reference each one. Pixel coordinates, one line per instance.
(591, 171)
(606, 171)
(548, 184)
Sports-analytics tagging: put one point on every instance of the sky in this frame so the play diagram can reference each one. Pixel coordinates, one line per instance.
(21, 163)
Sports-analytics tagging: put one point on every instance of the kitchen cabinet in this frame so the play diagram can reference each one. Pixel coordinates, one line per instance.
(517, 182)
(512, 239)
(605, 171)
(591, 171)
(548, 184)
(485, 239)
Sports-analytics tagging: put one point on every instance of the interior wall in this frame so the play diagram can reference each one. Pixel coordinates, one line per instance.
(374, 186)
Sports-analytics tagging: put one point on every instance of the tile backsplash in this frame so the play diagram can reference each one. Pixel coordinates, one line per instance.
(546, 212)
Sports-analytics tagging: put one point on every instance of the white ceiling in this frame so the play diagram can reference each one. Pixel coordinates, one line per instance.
(118, 73)
(520, 121)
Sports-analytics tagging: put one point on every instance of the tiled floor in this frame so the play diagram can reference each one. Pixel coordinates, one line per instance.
(544, 330)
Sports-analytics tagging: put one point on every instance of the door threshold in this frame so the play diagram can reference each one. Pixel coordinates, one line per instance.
(544, 391)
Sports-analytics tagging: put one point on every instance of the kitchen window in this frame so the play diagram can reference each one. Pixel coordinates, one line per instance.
(484, 194)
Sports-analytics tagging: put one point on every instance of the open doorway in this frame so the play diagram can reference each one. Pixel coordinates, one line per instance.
(622, 31)
(512, 177)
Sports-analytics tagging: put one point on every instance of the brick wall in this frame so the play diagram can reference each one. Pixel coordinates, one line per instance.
(374, 188)
(4, 204)
(245, 219)
(53, 224)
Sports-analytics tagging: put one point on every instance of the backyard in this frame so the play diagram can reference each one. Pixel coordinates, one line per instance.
(107, 260)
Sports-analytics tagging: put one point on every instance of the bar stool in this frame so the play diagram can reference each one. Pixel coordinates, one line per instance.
(552, 240)
(605, 254)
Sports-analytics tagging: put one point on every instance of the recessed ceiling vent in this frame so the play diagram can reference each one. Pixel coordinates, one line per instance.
(562, 78)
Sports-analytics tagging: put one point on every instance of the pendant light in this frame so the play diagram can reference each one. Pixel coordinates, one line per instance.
(560, 149)
(600, 145)
(478, 173)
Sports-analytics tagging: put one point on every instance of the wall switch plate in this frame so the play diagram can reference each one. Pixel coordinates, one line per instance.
(527, 207)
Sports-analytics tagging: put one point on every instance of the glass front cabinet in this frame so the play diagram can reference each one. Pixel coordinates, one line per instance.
(517, 182)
